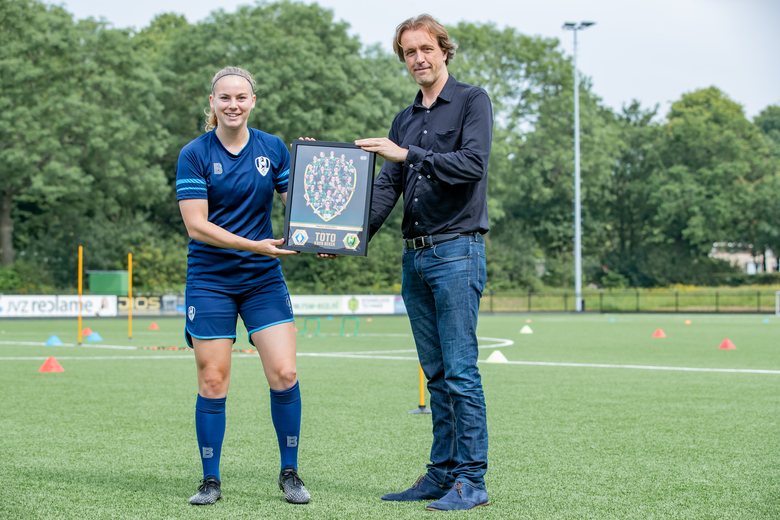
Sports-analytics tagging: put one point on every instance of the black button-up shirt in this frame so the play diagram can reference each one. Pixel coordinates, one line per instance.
(444, 177)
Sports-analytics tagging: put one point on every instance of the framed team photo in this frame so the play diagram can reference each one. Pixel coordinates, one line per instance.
(329, 198)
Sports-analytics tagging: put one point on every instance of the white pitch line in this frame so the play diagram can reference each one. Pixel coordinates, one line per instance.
(351, 356)
(647, 367)
(38, 344)
(101, 358)
(500, 343)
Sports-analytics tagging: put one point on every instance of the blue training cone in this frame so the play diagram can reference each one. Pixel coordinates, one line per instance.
(94, 337)
(53, 341)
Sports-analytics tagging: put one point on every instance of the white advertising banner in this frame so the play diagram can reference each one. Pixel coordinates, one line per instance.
(56, 306)
(303, 305)
(367, 304)
(344, 305)
(313, 305)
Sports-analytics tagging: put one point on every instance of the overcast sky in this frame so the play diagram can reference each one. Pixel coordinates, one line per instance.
(651, 50)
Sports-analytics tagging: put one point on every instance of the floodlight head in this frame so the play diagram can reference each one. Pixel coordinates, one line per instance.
(585, 25)
(569, 26)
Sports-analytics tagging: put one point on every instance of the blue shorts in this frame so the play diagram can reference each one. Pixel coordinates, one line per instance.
(212, 313)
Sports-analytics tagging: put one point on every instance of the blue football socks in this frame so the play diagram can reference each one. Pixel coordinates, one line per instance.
(286, 416)
(210, 426)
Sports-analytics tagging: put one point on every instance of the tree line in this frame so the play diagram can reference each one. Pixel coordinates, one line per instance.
(93, 118)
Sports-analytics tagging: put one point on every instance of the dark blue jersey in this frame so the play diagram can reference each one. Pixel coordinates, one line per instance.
(239, 189)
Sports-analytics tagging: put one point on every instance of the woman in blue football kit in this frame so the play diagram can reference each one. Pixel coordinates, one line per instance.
(225, 182)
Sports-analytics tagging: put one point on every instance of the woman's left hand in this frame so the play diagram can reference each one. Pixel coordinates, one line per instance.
(268, 247)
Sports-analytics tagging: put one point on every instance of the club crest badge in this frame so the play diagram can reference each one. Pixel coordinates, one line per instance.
(263, 164)
(351, 241)
(329, 183)
(191, 313)
(300, 237)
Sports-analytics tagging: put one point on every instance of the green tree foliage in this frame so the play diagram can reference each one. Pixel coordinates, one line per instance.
(704, 176)
(713, 167)
(80, 133)
(768, 121)
(623, 207)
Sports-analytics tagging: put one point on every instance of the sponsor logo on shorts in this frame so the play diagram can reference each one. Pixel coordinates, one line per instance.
(292, 442)
(263, 164)
(351, 241)
(217, 168)
(208, 452)
(191, 313)
(300, 237)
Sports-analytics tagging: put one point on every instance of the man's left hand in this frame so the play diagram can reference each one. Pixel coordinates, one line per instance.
(384, 147)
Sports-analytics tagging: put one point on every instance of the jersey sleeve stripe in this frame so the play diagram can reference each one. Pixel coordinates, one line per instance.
(284, 175)
(190, 181)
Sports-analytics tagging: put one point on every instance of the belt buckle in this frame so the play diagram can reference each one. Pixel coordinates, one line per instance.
(418, 242)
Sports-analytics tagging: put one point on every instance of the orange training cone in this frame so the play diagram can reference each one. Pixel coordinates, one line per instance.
(51, 365)
(727, 345)
(86, 332)
(687, 322)
(659, 334)
(154, 326)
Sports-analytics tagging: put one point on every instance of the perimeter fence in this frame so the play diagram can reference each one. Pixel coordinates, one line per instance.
(726, 301)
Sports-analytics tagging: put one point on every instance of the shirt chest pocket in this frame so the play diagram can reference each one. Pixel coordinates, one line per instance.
(447, 141)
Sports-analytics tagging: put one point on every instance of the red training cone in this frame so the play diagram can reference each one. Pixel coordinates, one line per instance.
(86, 332)
(727, 345)
(51, 365)
(659, 334)
(154, 326)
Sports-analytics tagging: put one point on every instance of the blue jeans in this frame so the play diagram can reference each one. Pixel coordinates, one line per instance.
(442, 287)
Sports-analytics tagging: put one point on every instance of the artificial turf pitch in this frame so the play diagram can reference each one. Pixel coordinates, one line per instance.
(113, 436)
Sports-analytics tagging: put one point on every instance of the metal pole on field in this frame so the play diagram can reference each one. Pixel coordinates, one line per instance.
(571, 26)
(129, 295)
(422, 408)
(81, 264)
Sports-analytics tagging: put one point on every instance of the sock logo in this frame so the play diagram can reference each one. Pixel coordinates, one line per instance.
(208, 452)
(292, 442)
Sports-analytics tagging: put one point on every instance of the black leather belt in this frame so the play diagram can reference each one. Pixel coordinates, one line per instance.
(432, 240)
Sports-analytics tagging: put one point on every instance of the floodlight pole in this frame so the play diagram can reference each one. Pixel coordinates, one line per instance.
(569, 26)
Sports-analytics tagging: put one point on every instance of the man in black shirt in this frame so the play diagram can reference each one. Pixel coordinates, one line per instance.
(437, 155)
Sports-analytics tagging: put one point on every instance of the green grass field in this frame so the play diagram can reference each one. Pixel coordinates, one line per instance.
(113, 436)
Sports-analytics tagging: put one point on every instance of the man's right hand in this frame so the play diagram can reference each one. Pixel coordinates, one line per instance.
(384, 147)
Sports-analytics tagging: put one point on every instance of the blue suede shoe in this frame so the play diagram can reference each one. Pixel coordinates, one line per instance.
(423, 489)
(462, 496)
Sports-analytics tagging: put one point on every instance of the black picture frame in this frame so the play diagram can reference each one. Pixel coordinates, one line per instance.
(329, 198)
